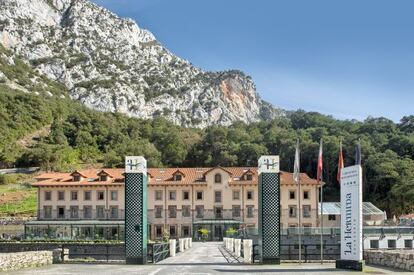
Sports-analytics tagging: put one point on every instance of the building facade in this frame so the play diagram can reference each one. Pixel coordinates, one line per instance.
(180, 201)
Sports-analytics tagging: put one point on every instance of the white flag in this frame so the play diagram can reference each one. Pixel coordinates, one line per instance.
(296, 168)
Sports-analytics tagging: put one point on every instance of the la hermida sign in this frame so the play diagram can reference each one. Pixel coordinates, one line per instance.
(351, 213)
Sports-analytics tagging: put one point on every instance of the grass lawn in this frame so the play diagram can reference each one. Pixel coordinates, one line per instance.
(17, 197)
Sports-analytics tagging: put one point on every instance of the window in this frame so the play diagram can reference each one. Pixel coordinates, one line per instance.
(113, 212)
(217, 196)
(292, 195)
(199, 195)
(158, 231)
(173, 231)
(178, 177)
(185, 211)
(114, 195)
(158, 211)
(186, 195)
(331, 217)
(306, 211)
(185, 231)
(100, 212)
(61, 195)
(158, 195)
(236, 195)
(76, 178)
(47, 212)
(61, 212)
(218, 212)
(236, 211)
(172, 211)
(292, 211)
(408, 243)
(101, 195)
(103, 178)
(374, 244)
(250, 210)
(74, 195)
(87, 195)
(172, 195)
(305, 195)
(199, 211)
(217, 178)
(87, 212)
(48, 195)
(74, 212)
(392, 243)
(249, 195)
(249, 177)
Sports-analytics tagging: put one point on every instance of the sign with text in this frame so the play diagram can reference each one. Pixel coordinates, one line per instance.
(135, 164)
(351, 213)
(268, 164)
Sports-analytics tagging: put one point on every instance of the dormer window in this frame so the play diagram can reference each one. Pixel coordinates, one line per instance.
(249, 177)
(76, 178)
(217, 178)
(178, 177)
(103, 177)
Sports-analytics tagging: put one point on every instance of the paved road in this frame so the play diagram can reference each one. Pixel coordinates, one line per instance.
(202, 258)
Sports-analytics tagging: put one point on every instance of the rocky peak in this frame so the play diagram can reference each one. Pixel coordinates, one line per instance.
(111, 64)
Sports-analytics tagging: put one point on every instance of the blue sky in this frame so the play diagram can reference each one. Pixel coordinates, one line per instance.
(349, 59)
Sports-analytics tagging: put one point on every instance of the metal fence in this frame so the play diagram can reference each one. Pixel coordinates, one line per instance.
(158, 252)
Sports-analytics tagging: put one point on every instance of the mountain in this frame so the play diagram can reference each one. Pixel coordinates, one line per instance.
(110, 64)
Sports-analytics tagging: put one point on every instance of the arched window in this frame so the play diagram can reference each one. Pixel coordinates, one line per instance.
(217, 178)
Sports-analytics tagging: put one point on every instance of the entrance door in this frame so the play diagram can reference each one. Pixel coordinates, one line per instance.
(218, 232)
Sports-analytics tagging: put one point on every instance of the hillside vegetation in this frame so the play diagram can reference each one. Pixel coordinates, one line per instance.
(82, 137)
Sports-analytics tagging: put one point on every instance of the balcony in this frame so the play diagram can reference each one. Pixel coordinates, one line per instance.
(106, 214)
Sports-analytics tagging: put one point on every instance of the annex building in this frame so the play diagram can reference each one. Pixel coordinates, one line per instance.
(90, 203)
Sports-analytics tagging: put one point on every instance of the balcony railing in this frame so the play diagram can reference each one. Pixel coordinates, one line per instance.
(206, 214)
(68, 214)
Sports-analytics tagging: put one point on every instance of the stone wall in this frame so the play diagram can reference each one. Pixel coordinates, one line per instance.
(98, 251)
(14, 261)
(402, 259)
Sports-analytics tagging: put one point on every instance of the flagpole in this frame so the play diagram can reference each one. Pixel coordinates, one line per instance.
(299, 222)
(321, 219)
(296, 177)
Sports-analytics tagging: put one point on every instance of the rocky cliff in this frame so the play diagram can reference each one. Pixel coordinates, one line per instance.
(110, 64)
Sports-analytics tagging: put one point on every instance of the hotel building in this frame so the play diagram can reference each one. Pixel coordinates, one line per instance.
(90, 203)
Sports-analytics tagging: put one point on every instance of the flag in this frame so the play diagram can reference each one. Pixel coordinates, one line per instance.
(320, 164)
(296, 167)
(340, 163)
(358, 154)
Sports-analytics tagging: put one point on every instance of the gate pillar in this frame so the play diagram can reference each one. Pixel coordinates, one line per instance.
(135, 210)
(269, 209)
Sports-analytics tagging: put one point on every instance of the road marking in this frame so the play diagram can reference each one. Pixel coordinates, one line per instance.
(155, 271)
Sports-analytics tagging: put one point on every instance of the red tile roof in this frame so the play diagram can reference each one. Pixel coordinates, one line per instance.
(161, 176)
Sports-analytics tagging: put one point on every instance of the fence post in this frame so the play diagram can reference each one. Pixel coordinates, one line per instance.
(247, 249)
(181, 244)
(172, 247)
(237, 243)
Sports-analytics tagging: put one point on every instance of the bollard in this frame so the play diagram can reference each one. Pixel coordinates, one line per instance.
(172, 247)
(224, 242)
(231, 245)
(181, 244)
(247, 247)
(191, 242)
(186, 243)
(237, 246)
